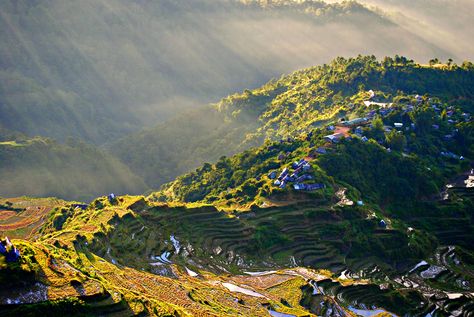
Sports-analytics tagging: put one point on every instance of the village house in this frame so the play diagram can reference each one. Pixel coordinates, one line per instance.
(308, 187)
(321, 150)
(272, 175)
(303, 178)
(371, 114)
(334, 138)
(371, 94)
(368, 103)
(283, 173)
(355, 122)
(452, 155)
(80, 206)
(285, 177)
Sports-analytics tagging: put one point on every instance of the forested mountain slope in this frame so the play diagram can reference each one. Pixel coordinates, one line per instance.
(99, 70)
(41, 167)
(285, 108)
(396, 155)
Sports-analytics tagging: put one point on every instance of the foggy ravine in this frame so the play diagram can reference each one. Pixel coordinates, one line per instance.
(108, 68)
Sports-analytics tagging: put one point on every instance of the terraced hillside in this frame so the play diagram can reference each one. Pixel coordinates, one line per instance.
(60, 273)
(299, 234)
(23, 217)
(127, 255)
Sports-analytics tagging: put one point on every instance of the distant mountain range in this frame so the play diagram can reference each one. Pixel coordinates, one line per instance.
(99, 70)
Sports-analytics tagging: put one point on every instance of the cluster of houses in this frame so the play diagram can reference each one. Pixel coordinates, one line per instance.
(384, 110)
(297, 177)
(11, 253)
(343, 130)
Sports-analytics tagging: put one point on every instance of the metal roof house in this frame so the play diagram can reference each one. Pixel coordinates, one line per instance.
(398, 124)
(308, 187)
(283, 173)
(334, 138)
(354, 122)
(321, 150)
(80, 206)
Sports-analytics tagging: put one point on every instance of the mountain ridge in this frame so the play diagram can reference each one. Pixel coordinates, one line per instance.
(284, 108)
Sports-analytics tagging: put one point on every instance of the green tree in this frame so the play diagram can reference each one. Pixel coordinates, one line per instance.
(450, 62)
(443, 114)
(433, 61)
(396, 140)
(467, 65)
(377, 127)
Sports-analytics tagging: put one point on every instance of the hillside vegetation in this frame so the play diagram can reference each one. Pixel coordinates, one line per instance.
(389, 167)
(287, 107)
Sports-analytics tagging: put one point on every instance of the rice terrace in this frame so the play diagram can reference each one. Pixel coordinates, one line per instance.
(219, 158)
